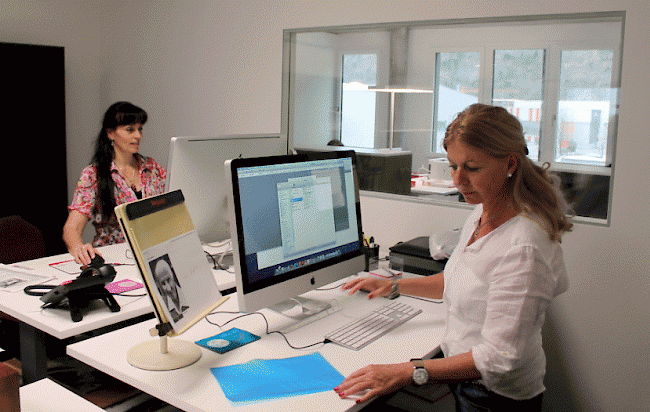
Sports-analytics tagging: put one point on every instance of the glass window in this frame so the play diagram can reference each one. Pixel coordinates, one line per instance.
(457, 86)
(559, 75)
(584, 107)
(357, 103)
(517, 85)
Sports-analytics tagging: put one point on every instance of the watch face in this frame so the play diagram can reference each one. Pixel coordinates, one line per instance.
(420, 376)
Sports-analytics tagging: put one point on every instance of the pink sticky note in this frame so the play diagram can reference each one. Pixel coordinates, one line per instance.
(123, 285)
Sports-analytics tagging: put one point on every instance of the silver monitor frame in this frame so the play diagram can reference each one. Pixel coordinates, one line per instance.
(251, 299)
(196, 166)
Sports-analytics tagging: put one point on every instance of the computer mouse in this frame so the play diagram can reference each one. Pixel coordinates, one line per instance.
(97, 261)
(218, 343)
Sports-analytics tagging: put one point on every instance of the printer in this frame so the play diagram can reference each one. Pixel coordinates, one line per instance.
(414, 256)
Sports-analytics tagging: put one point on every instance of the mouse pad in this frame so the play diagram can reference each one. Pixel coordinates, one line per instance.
(228, 340)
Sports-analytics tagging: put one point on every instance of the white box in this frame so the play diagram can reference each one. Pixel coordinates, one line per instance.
(439, 169)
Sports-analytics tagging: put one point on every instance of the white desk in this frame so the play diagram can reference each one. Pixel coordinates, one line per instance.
(57, 322)
(194, 388)
(35, 321)
(48, 396)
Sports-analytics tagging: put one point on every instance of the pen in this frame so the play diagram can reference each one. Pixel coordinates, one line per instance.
(61, 262)
(393, 273)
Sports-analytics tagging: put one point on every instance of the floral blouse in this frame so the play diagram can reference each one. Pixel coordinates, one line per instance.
(152, 178)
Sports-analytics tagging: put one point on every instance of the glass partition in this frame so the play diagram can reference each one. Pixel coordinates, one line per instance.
(389, 91)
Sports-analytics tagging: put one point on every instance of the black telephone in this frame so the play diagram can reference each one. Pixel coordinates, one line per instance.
(88, 286)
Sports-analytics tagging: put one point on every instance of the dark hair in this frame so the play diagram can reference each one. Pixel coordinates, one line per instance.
(119, 114)
(493, 130)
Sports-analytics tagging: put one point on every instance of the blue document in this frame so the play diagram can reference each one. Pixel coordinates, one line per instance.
(261, 380)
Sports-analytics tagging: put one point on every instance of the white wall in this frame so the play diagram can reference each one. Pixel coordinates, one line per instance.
(205, 67)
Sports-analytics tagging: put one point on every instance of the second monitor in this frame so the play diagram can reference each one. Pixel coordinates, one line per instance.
(196, 166)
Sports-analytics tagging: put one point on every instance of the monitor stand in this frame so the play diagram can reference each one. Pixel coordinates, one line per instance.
(303, 311)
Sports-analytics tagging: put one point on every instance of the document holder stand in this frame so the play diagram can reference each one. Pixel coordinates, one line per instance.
(176, 274)
(164, 354)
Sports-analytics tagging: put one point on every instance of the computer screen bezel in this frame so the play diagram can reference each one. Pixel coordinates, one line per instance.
(205, 189)
(265, 293)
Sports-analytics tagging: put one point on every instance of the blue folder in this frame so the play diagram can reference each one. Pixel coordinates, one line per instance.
(261, 380)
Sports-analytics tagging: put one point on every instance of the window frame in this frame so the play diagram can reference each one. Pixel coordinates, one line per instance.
(616, 39)
(550, 96)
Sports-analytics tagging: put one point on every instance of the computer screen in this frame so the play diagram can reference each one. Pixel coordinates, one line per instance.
(196, 166)
(297, 225)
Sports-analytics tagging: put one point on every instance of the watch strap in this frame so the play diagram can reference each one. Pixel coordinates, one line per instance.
(394, 293)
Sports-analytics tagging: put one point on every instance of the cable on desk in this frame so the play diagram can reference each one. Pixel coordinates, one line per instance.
(127, 252)
(217, 263)
(430, 300)
(129, 296)
(267, 327)
(333, 287)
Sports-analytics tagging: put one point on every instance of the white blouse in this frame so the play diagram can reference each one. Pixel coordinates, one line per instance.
(497, 291)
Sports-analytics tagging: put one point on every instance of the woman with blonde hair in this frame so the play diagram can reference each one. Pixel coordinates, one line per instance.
(499, 281)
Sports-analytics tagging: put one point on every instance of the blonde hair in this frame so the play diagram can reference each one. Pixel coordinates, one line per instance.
(499, 134)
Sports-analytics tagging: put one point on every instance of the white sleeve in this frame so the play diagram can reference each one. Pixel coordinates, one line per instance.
(521, 286)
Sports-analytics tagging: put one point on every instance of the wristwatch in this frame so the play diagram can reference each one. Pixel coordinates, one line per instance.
(394, 293)
(420, 373)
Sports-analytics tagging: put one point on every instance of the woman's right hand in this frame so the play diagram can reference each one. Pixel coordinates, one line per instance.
(375, 287)
(84, 253)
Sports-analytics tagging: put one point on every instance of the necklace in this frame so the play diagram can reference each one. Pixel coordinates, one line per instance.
(481, 224)
(131, 182)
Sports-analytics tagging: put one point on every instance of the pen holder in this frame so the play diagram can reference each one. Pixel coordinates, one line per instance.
(372, 257)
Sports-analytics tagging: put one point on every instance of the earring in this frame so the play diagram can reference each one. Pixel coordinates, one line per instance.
(509, 174)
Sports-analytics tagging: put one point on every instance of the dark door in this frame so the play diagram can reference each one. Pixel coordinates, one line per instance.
(33, 139)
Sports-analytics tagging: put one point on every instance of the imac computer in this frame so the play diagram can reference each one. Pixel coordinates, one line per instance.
(196, 166)
(297, 227)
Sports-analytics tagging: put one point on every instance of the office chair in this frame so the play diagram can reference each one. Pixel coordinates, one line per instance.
(19, 241)
(9, 389)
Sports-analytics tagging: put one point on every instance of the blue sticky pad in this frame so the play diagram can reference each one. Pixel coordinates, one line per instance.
(228, 340)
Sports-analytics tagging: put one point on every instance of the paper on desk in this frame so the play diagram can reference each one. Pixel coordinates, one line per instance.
(13, 279)
(262, 380)
(67, 266)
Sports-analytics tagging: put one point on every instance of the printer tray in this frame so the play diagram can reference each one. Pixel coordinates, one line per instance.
(413, 264)
(415, 257)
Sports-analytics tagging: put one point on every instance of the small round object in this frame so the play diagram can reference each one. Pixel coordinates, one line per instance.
(218, 343)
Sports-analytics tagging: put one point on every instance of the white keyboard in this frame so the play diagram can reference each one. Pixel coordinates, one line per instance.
(373, 325)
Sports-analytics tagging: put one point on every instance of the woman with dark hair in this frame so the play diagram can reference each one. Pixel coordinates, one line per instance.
(499, 280)
(116, 174)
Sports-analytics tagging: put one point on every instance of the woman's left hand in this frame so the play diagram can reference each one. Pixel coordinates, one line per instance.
(376, 380)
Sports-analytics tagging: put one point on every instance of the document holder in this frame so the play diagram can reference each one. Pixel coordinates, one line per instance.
(176, 275)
